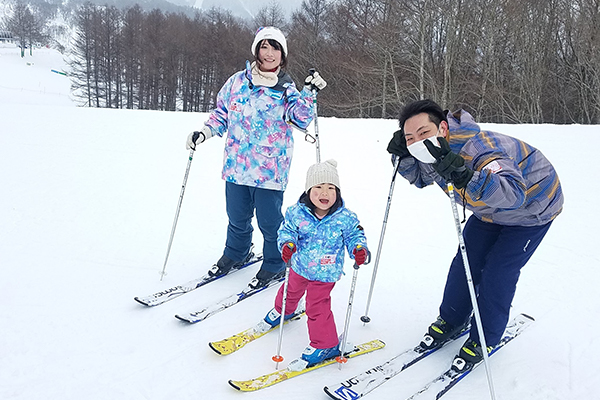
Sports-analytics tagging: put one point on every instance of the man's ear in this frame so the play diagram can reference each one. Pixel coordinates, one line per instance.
(444, 129)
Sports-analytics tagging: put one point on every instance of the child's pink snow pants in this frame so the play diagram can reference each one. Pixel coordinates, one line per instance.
(321, 324)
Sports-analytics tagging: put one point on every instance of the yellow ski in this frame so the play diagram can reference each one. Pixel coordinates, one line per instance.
(279, 376)
(236, 342)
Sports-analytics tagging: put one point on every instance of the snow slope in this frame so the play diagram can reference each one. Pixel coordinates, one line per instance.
(87, 202)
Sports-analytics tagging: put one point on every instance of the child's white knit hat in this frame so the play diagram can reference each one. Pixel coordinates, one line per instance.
(325, 172)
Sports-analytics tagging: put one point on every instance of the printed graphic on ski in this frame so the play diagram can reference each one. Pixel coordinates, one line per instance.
(236, 342)
(446, 381)
(163, 296)
(362, 384)
(217, 307)
(279, 376)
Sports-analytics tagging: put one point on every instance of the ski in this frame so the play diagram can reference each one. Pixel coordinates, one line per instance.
(362, 384)
(446, 381)
(163, 296)
(279, 376)
(218, 306)
(236, 342)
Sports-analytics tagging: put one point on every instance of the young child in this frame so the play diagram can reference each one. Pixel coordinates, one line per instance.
(312, 236)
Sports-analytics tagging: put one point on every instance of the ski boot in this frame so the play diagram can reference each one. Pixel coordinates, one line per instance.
(226, 264)
(469, 355)
(439, 332)
(311, 356)
(263, 278)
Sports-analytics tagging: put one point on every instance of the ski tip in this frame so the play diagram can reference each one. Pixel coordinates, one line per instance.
(528, 316)
(140, 301)
(233, 384)
(333, 396)
(210, 344)
(183, 319)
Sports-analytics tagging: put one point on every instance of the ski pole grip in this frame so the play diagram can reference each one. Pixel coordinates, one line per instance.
(367, 261)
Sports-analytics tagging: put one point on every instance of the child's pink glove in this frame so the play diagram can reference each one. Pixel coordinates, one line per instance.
(360, 255)
(287, 251)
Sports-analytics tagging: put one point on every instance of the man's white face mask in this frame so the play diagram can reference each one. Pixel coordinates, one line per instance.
(419, 151)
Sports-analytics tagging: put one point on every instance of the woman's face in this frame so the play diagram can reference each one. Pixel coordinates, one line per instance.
(269, 56)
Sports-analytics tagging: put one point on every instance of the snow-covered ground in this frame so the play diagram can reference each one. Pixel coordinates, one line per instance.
(87, 202)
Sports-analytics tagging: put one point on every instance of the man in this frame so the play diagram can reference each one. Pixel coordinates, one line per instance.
(514, 194)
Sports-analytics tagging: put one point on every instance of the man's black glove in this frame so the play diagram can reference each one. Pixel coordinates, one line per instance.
(397, 145)
(449, 165)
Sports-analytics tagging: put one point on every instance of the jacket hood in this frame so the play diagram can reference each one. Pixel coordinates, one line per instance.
(462, 128)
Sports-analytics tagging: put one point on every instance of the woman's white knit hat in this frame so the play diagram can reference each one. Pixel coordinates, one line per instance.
(269, 32)
(325, 172)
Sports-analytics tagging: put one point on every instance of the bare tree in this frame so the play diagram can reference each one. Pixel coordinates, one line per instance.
(579, 51)
(111, 64)
(270, 15)
(25, 27)
(132, 42)
(82, 68)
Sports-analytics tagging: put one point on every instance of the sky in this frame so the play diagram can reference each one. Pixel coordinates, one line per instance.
(88, 199)
(245, 8)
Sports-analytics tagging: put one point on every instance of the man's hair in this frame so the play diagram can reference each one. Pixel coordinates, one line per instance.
(431, 108)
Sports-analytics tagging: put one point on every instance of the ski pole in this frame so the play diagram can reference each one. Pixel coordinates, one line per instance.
(187, 171)
(278, 357)
(342, 359)
(365, 318)
(316, 118)
(463, 252)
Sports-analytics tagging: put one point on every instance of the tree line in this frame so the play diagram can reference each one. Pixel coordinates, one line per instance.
(505, 61)
(510, 61)
(26, 27)
(151, 60)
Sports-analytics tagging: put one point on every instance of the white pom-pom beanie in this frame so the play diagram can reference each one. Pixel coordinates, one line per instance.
(269, 32)
(325, 172)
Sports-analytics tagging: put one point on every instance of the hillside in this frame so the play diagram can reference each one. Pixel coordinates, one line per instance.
(88, 200)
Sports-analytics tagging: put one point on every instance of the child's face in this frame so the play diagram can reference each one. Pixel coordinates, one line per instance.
(323, 196)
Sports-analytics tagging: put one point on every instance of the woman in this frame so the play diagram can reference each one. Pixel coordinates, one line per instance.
(256, 108)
